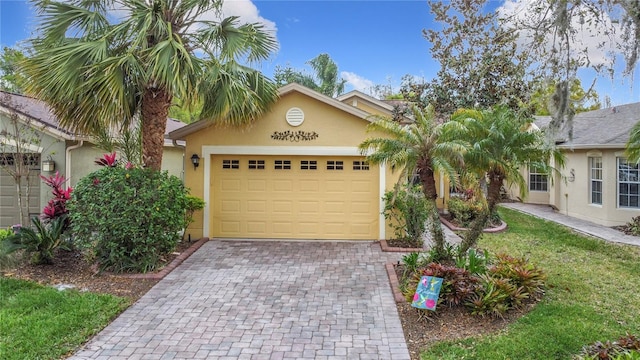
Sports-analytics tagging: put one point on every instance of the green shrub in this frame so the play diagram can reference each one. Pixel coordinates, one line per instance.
(474, 261)
(192, 204)
(464, 211)
(506, 285)
(39, 243)
(128, 218)
(407, 210)
(5, 233)
(633, 227)
(521, 272)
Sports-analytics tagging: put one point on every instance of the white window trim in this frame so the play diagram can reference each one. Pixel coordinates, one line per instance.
(209, 150)
(618, 158)
(591, 179)
(529, 173)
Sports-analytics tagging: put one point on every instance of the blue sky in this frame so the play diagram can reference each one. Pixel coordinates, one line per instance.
(373, 42)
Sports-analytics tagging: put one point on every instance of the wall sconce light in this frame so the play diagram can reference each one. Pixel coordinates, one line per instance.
(48, 165)
(572, 175)
(195, 160)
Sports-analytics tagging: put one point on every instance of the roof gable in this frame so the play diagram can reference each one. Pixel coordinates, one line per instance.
(285, 90)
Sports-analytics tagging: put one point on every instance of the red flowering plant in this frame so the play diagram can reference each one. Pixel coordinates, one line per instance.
(108, 160)
(57, 206)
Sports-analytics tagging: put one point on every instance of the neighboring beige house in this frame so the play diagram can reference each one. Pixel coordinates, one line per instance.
(597, 184)
(72, 155)
(296, 173)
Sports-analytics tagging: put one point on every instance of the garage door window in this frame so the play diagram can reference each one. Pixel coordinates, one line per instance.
(32, 160)
(283, 165)
(231, 164)
(308, 165)
(256, 164)
(335, 165)
(360, 165)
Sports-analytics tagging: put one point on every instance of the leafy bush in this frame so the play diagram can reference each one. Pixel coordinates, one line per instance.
(407, 209)
(192, 203)
(457, 284)
(128, 217)
(463, 211)
(474, 261)
(632, 227)
(39, 243)
(625, 348)
(521, 272)
(506, 285)
(5, 233)
(57, 206)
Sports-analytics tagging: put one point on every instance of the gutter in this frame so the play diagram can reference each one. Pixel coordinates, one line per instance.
(175, 143)
(67, 159)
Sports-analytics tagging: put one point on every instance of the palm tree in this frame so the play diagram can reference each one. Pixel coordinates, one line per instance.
(499, 142)
(108, 63)
(416, 149)
(633, 145)
(325, 79)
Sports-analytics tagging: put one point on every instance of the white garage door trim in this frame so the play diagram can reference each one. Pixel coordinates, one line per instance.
(209, 150)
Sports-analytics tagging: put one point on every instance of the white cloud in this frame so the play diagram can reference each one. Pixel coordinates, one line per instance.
(598, 45)
(248, 13)
(358, 82)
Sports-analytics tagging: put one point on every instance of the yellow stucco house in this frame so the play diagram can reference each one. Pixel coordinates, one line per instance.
(597, 183)
(296, 173)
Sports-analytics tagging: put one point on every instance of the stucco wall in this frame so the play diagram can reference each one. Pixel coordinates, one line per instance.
(335, 128)
(573, 196)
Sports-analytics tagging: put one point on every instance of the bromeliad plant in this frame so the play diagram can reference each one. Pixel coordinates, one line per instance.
(48, 230)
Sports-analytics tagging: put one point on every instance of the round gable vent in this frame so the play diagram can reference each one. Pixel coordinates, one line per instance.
(295, 116)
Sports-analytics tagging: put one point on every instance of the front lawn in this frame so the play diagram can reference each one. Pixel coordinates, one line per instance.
(593, 294)
(38, 322)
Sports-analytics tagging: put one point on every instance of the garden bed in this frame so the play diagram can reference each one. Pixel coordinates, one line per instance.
(449, 222)
(446, 323)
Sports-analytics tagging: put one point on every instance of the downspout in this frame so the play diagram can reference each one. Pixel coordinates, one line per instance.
(175, 143)
(67, 159)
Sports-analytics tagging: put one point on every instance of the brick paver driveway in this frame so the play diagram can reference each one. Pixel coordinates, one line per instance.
(263, 300)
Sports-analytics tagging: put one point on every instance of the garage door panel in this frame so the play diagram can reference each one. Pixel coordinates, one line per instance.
(231, 185)
(256, 206)
(259, 185)
(294, 203)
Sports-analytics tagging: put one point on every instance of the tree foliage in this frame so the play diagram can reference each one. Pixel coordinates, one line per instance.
(568, 35)
(11, 76)
(109, 62)
(542, 99)
(324, 79)
(480, 64)
(416, 149)
(498, 144)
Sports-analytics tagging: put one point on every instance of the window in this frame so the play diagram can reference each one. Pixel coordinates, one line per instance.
(628, 184)
(595, 185)
(29, 159)
(360, 165)
(308, 165)
(231, 164)
(256, 164)
(335, 165)
(537, 180)
(283, 165)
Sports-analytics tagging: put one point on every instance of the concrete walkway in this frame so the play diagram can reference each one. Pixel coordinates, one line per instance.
(579, 225)
(263, 300)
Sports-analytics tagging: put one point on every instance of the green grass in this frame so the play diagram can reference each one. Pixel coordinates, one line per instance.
(38, 322)
(593, 294)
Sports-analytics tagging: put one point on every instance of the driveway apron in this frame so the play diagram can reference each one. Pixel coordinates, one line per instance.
(263, 300)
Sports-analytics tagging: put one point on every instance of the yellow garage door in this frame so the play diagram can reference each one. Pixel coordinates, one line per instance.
(294, 197)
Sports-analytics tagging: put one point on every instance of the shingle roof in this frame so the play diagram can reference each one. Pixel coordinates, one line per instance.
(599, 128)
(41, 112)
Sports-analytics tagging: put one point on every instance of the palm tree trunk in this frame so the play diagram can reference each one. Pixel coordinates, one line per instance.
(154, 109)
(493, 197)
(428, 180)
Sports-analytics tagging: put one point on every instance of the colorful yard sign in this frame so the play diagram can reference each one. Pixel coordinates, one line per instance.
(427, 293)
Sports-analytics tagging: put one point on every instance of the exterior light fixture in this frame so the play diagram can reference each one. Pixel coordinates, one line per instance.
(195, 160)
(48, 165)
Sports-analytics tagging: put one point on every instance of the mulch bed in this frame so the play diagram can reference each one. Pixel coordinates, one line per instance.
(424, 328)
(69, 268)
